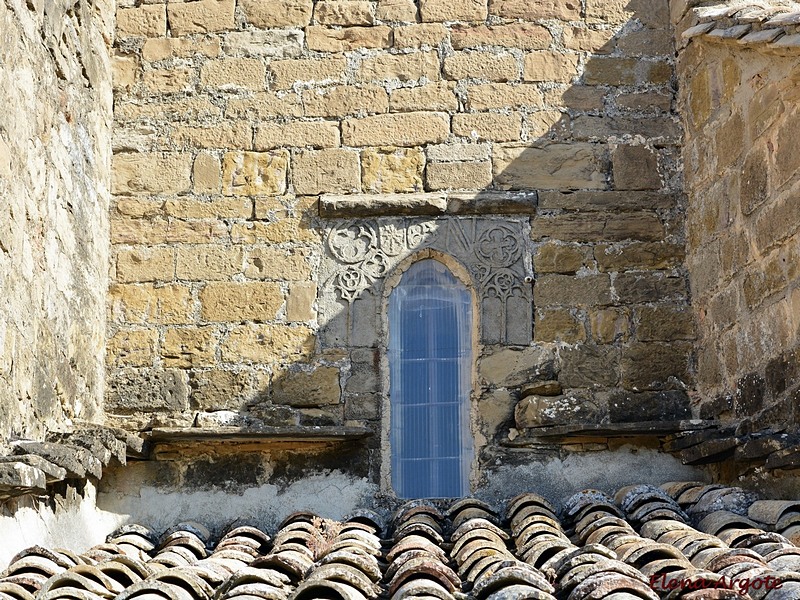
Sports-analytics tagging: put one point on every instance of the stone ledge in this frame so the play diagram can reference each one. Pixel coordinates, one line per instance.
(611, 430)
(259, 435)
(775, 28)
(334, 206)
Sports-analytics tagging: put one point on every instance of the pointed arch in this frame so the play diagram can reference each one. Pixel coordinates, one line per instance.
(430, 353)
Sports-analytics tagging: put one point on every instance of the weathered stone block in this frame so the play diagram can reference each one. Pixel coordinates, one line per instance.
(754, 183)
(208, 262)
(659, 323)
(503, 95)
(495, 127)
(402, 11)
(420, 35)
(590, 127)
(433, 11)
(216, 208)
(638, 255)
(557, 258)
(652, 366)
(287, 73)
(404, 129)
(636, 288)
(576, 97)
(635, 168)
(237, 134)
(324, 39)
(589, 366)
(481, 65)
(564, 10)
(326, 171)
(265, 344)
(266, 262)
(567, 290)
(648, 42)
(217, 389)
(143, 21)
(204, 16)
(316, 134)
(602, 70)
(161, 231)
(458, 175)
(344, 12)
(252, 173)
(389, 170)
(345, 100)
(265, 104)
(525, 36)
(554, 166)
(146, 264)
(610, 325)
(651, 102)
(160, 48)
(163, 305)
(364, 371)
(272, 43)
(541, 411)
(319, 387)
(432, 97)
(496, 412)
(550, 66)
(233, 301)
(546, 124)
(631, 407)
(206, 173)
(131, 347)
(541, 388)
(300, 302)
(186, 347)
(558, 325)
(587, 227)
(143, 173)
(509, 367)
(401, 67)
(596, 41)
(458, 152)
(123, 71)
(277, 13)
(232, 73)
(147, 390)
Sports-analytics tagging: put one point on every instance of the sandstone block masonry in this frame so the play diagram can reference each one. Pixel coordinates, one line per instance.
(232, 119)
(55, 130)
(743, 172)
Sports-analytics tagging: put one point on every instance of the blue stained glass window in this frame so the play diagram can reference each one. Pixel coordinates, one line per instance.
(430, 366)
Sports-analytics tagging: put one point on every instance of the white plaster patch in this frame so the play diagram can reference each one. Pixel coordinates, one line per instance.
(333, 496)
(557, 479)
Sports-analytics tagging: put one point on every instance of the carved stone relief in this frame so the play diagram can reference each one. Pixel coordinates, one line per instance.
(360, 253)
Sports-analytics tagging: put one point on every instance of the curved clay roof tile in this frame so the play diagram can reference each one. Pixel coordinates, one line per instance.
(363, 561)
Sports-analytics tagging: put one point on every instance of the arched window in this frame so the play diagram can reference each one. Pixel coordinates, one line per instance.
(430, 366)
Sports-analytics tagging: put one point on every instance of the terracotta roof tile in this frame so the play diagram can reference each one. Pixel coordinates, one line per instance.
(631, 546)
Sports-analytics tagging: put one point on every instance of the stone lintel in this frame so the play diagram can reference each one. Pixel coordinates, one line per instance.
(333, 206)
(257, 435)
(535, 435)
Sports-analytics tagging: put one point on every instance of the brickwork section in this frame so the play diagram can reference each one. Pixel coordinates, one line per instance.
(55, 131)
(234, 116)
(743, 227)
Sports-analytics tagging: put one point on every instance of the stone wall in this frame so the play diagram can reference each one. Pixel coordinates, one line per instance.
(55, 128)
(741, 161)
(274, 162)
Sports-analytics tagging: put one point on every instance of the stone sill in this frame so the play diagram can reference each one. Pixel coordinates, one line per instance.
(255, 435)
(535, 436)
(334, 206)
